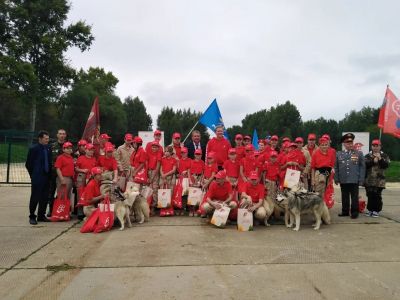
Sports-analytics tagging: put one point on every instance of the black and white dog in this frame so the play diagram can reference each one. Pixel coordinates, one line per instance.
(300, 202)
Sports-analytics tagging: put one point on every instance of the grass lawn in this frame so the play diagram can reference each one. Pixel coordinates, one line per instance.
(393, 173)
(18, 153)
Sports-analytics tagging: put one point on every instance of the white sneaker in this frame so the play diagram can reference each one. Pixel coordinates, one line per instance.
(375, 214)
(368, 213)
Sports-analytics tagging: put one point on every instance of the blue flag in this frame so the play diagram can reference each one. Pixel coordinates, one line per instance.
(212, 117)
(255, 139)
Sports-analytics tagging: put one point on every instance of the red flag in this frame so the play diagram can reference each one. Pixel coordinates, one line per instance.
(391, 120)
(92, 128)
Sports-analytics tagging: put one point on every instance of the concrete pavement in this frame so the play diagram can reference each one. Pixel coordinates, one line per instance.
(183, 258)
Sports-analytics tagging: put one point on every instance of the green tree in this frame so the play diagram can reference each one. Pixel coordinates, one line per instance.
(33, 40)
(283, 120)
(137, 117)
(76, 105)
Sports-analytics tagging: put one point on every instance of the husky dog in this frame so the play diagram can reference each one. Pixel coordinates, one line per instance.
(301, 201)
(281, 205)
(139, 204)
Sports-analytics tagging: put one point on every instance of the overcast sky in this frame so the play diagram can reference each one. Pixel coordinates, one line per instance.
(326, 57)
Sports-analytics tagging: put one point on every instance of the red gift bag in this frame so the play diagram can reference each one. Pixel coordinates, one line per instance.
(61, 207)
(106, 217)
(177, 195)
(141, 176)
(329, 194)
(166, 212)
(91, 222)
(81, 197)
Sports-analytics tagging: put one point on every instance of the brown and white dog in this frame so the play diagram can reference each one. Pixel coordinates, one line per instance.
(139, 207)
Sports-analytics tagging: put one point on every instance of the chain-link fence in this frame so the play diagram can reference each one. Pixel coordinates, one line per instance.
(14, 146)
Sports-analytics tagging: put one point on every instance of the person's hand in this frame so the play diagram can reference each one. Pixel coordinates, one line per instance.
(115, 180)
(63, 181)
(217, 205)
(242, 204)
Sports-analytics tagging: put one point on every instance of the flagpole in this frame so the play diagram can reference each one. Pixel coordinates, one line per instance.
(190, 131)
(380, 133)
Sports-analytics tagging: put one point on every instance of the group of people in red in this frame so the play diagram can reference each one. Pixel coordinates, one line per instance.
(238, 175)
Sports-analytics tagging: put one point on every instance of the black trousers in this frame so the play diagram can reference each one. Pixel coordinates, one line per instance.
(39, 197)
(349, 190)
(374, 195)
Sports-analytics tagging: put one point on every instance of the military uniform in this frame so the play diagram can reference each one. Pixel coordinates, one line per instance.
(350, 173)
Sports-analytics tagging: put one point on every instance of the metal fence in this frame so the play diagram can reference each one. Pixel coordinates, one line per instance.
(14, 147)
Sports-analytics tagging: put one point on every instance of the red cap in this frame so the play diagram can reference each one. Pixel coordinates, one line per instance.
(376, 142)
(221, 175)
(326, 136)
(128, 137)
(67, 145)
(239, 136)
(82, 143)
(299, 140)
(137, 139)
(155, 143)
(211, 154)
(285, 139)
(105, 136)
(286, 145)
(89, 146)
(323, 140)
(176, 135)
(184, 150)
(247, 137)
(109, 148)
(256, 153)
(232, 151)
(273, 153)
(253, 175)
(96, 170)
(292, 145)
(157, 132)
(198, 151)
(274, 138)
(312, 136)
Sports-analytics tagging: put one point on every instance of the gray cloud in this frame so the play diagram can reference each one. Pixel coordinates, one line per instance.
(325, 57)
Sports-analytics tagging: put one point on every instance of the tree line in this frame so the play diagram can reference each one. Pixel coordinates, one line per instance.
(39, 89)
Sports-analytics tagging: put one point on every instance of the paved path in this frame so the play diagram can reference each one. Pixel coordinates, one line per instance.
(184, 258)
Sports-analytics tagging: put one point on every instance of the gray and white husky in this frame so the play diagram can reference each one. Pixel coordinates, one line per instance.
(300, 202)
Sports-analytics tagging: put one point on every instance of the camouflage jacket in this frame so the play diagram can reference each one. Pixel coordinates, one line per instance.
(375, 171)
(56, 150)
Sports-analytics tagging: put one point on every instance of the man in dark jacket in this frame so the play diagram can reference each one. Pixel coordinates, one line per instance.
(194, 144)
(350, 173)
(376, 163)
(38, 164)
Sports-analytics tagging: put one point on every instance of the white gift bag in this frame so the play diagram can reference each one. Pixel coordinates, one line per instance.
(220, 216)
(244, 220)
(292, 178)
(164, 198)
(195, 196)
